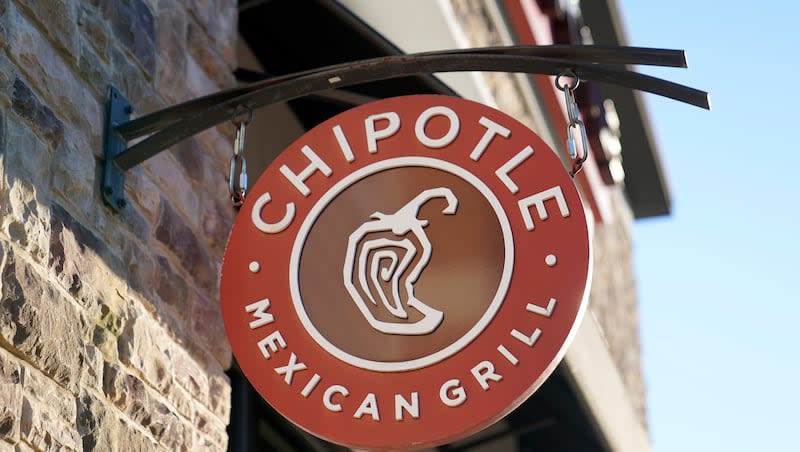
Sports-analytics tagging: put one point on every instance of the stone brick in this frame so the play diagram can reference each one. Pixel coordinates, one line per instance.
(110, 320)
(174, 184)
(2, 153)
(170, 286)
(209, 328)
(170, 297)
(145, 346)
(79, 256)
(73, 173)
(32, 325)
(181, 400)
(92, 371)
(127, 392)
(10, 397)
(102, 323)
(58, 18)
(141, 269)
(20, 217)
(210, 426)
(214, 209)
(144, 193)
(104, 341)
(3, 26)
(203, 442)
(39, 322)
(198, 82)
(93, 70)
(142, 405)
(7, 70)
(476, 22)
(226, 33)
(170, 430)
(218, 146)
(217, 220)
(135, 222)
(190, 375)
(26, 156)
(219, 395)
(29, 107)
(39, 389)
(103, 428)
(22, 447)
(219, 20)
(129, 219)
(24, 217)
(42, 428)
(172, 231)
(189, 154)
(132, 82)
(3, 196)
(204, 54)
(133, 24)
(95, 31)
(37, 58)
(171, 44)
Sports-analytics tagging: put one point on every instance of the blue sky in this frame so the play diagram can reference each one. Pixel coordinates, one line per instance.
(717, 280)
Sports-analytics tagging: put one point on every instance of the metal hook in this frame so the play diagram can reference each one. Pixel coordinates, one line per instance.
(237, 176)
(241, 110)
(571, 74)
(578, 157)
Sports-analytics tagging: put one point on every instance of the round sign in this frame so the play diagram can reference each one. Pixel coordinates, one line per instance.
(406, 273)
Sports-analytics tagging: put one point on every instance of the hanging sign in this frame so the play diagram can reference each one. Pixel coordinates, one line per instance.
(406, 273)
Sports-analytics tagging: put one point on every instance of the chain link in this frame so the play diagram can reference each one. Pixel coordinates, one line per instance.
(237, 177)
(575, 124)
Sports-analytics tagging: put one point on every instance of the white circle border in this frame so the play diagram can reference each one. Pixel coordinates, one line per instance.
(463, 341)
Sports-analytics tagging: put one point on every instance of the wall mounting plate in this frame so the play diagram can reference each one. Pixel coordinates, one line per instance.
(118, 111)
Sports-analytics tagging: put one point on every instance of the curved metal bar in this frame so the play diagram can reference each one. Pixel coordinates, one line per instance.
(586, 54)
(220, 107)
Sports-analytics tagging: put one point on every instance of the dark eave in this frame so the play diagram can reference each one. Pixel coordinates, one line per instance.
(289, 36)
(645, 181)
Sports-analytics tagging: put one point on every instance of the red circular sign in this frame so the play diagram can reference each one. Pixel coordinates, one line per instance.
(406, 273)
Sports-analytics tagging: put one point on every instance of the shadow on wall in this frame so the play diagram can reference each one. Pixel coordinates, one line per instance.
(111, 335)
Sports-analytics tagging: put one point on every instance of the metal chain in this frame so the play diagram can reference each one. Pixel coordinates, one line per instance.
(573, 114)
(237, 178)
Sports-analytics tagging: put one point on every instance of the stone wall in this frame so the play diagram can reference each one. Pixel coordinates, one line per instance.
(612, 300)
(111, 336)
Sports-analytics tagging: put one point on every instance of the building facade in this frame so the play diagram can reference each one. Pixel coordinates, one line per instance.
(111, 335)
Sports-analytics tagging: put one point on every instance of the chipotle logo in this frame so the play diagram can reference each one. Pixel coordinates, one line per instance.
(406, 273)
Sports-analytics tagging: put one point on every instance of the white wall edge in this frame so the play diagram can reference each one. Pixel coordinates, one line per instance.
(604, 393)
(430, 31)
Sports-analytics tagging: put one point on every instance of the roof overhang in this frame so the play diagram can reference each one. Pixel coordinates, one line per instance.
(645, 182)
(289, 36)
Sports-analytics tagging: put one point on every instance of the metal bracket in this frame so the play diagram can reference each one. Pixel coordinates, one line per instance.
(118, 111)
(161, 129)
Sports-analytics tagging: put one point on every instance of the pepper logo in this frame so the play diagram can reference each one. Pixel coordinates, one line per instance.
(383, 260)
(396, 304)
(406, 273)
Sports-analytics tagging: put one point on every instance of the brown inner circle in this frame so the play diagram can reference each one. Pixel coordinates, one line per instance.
(460, 279)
